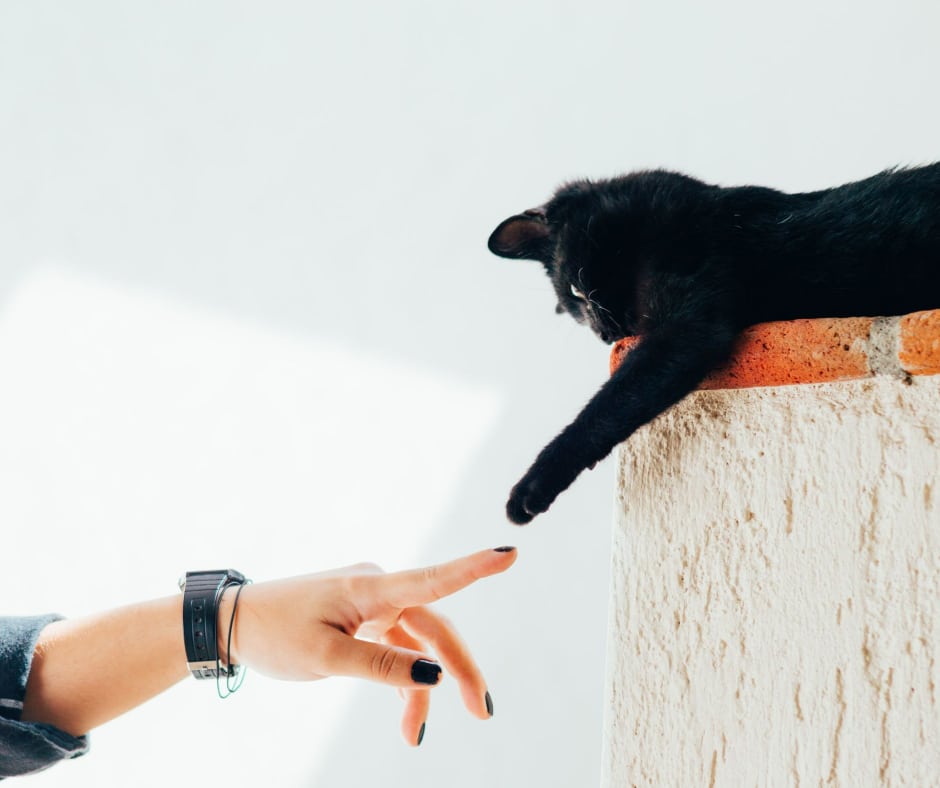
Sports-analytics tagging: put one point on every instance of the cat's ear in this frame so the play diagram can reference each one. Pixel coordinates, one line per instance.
(523, 236)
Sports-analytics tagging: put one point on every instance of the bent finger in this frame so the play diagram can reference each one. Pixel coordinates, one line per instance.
(424, 586)
(344, 655)
(433, 629)
(417, 701)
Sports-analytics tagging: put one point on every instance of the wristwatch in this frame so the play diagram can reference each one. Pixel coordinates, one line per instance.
(201, 594)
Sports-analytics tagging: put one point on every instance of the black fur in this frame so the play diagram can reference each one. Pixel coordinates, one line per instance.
(686, 265)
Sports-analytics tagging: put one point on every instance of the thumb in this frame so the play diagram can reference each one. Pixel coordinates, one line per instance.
(345, 655)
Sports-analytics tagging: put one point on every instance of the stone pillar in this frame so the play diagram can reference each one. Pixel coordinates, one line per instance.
(775, 600)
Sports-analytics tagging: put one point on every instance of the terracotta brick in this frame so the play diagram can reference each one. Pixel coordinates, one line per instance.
(620, 350)
(920, 343)
(827, 349)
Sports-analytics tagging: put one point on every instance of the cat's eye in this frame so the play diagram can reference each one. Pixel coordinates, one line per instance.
(577, 293)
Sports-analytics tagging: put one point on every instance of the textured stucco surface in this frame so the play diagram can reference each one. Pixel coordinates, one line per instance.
(775, 616)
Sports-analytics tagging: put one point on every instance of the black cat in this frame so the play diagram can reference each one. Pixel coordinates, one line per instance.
(686, 265)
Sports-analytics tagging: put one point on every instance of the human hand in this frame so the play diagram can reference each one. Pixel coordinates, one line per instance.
(305, 628)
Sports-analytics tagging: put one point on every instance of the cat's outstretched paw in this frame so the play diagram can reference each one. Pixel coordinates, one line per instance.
(527, 499)
(516, 511)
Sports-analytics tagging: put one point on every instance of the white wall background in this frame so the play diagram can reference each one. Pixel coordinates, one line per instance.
(247, 317)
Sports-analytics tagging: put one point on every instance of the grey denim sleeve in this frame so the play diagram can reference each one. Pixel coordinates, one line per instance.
(26, 747)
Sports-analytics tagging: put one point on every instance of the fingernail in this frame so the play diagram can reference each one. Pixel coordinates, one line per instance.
(425, 672)
(421, 734)
(489, 703)
(504, 549)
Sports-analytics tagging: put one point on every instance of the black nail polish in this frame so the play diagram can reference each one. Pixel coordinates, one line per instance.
(504, 549)
(425, 672)
(421, 734)
(489, 703)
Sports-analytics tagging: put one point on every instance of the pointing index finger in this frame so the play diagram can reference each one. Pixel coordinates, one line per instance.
(423, 586)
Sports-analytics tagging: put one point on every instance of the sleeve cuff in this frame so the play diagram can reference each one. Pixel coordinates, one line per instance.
(18, 636)
(27, 747)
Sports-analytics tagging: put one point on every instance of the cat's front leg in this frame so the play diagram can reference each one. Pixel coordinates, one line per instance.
(552, 473)
(667, 364)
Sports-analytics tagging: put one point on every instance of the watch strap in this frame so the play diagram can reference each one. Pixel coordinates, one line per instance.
(202, 592)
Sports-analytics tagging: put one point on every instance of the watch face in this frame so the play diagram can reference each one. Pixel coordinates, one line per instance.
(222, 573)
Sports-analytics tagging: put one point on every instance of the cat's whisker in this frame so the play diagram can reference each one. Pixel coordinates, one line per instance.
(597, 304)
(610, 314)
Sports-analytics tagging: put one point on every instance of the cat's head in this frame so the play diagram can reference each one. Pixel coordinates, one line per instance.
(582, 243)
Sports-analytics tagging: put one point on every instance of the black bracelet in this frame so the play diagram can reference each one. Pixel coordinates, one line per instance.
(230, 669)
(202, 592)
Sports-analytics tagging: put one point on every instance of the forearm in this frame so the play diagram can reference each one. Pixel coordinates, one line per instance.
(89, 670)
